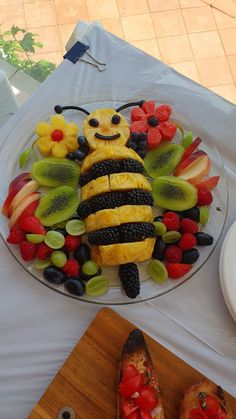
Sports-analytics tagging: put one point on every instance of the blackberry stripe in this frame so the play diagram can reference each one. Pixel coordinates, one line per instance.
(125, 233)
(108, 167)
(114, 199)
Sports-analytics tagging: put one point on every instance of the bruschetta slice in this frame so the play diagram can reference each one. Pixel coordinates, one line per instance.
(205, 400)
(139, 390)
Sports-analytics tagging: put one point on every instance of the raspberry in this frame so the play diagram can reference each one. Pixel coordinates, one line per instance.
(173, 254)
(187, 241)
(43, 251)
(204, 197)
(27, 250)
(71, 267)
(171, 220)
(188, 226)
(16, 235)
(31, 224)
(72, 242)
(176, 270)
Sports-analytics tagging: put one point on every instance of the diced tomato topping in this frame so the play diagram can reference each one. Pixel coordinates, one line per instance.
(168, 130)
(191, 148)
(197, 414)
(154, 137)
(149, 107)
(145, 414)
(147, 398)
(139, 126)
(128, 407)
(132, 385)
(163, 113)
(221, 415)
(129, 372)
(134, 415)
(137, 114)
(210, 404)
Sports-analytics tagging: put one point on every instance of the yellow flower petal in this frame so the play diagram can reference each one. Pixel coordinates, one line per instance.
(45, 145)
(71, 143)
(43, 129)
(71, 129)
(58, 122)
(59, 150)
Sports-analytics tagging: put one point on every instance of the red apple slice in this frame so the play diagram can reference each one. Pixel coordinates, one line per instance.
(11, 195)
(191, 148)
(29, 210)
(21, 177)
(22, 206)
(209, 183)
(27, 189)
(194, 168)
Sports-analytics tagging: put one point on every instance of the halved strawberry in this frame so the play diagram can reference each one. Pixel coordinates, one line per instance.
(176, 270)
(209, 183)
(191, 148)
(137, 114)
(139, 126)
(154, 137)
(168, 130)
(149, 107)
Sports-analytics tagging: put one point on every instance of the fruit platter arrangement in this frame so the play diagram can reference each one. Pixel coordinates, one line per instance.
(113, 203)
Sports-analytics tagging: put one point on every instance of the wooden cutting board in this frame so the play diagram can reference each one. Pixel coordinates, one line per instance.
(87, 382)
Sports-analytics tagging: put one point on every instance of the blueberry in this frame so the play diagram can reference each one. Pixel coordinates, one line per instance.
(75, 286)
(79, 155)
(93, 122)
(82, 253)
(84, 149)
(153, 121)
(58, 109)
(143, 136)
(159, 250)
(82, 140)
(71, 156)
(142, 145)
(115, 119)
(190, 256)
(159, 218)
(132, 144)
(54, 275)
(142, 153)
(193, 214)
(203, 239)
(62, 231)
(134, 136)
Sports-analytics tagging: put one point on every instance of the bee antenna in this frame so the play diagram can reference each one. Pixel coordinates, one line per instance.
(59, 109)
(129, 105)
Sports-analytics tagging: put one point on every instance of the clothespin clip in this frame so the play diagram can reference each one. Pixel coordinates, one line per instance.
(78, 50)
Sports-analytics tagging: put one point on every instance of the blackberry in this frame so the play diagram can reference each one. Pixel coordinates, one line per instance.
(105, 167)
(134, 232)
(131, 166)
(142, 153)
(84, 209)
(84, 179)
(108, 235)
(108, 200)
(129, 277)
(139, 197)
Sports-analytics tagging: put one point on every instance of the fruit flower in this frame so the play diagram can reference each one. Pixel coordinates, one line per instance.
(56, 138)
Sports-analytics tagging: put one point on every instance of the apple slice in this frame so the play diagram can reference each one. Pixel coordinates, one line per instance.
(209, 183)
(11, 195)
(22, 206)
(27, 189)
(194, 168)
(29, 210)
(21, 177)
(191, 148)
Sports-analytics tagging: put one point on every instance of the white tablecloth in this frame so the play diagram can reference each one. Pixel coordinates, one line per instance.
(38, 327)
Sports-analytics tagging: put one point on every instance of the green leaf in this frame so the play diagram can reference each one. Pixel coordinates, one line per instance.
(28, 42)
(24, 157)
(38, 44)
(15, 30)
(34, 152)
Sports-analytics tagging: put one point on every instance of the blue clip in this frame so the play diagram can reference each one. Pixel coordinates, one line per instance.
(78, 50)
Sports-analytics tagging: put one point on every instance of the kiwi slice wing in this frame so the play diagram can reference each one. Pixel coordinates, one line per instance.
(163, 159)
(56, 172)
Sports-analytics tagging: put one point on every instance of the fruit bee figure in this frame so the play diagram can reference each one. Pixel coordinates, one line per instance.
(116, 200)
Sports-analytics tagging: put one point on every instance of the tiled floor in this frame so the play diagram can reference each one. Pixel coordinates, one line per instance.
(194, 38)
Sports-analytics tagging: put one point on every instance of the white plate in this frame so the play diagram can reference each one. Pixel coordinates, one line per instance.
(228, 270)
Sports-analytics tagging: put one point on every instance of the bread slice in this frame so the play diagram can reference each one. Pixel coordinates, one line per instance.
(135, 352)
(191, 398)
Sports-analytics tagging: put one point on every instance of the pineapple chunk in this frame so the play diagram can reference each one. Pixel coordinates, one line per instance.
(95, 187)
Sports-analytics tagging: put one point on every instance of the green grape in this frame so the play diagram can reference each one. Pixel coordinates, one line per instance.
(157, 271)
(160, 228)
(58, 258)
(97, 285)
(204, 215)
(187, 139)
(42, 264)
(75, 227)
(35, 238)
(171, 237)
(90, 267)
(54, 239)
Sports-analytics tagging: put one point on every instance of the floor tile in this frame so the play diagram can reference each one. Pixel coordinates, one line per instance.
(232, 65)
(206, 44)
(49, 36)
(188, 69)
(132, 7)
(223, 21)
(228, 37)
(175, 49)
(6, 2)
(10, 16)
(138, 28)
(53, 57)
(226, 6)
(168, 23)
(65, 33)
(70, 11)
(214, 71)
(161, 5)
(40, 14)
(114, 26)
(199, 19)
(101, 9)
(150, 46)
(228, 91)
(191, 3)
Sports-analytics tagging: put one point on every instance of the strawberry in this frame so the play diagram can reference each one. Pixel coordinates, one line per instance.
(176, 270)
(29, 210)
(31, 224)
(16, 235)
(27, 250)
(43, 251)
(209, 183)
(72, 242)
(191, 148)
(71, 267)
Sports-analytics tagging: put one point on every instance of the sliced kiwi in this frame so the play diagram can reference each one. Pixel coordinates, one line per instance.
(56, 172)
(57, 205)
(163, 159)
(174, 193)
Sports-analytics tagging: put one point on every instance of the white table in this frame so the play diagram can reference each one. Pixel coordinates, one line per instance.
(38, 327)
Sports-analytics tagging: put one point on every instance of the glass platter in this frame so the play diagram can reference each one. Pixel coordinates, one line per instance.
(22, 135)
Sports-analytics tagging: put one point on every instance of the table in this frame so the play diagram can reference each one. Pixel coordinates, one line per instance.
(39, 327)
